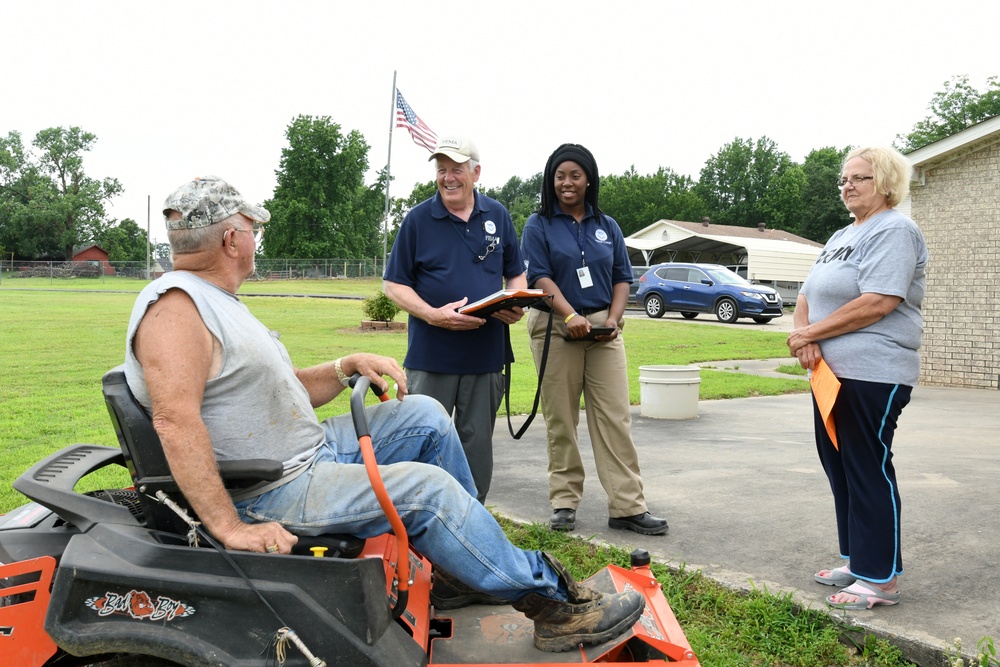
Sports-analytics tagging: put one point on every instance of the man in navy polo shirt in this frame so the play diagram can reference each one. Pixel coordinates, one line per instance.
(455, 248)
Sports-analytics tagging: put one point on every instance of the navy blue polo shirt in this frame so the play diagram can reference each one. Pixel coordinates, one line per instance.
(556, 247)
(437, 254)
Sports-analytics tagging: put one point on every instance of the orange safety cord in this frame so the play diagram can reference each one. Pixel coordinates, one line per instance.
(362, 383)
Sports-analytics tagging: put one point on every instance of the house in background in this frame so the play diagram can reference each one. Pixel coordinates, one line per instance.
(955, 199)
(771, 257)
(162, 265)
(96, 256)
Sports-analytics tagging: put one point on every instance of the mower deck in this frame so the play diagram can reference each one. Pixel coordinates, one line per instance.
(499, 635)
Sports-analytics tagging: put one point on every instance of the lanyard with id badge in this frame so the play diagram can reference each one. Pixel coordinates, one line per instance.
(583, 272)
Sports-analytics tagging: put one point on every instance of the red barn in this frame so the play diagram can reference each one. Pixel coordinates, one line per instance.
(94, 253)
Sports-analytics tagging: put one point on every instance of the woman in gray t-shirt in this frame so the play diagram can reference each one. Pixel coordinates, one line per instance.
(858, 313)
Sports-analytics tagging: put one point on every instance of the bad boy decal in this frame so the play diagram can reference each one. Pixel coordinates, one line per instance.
(139, 605)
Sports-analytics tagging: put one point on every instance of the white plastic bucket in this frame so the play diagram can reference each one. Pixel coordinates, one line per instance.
(669, 392)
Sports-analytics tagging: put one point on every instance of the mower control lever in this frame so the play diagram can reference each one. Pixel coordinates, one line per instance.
(360, 384)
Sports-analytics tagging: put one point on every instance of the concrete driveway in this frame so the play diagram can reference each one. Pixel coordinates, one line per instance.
(751, 507)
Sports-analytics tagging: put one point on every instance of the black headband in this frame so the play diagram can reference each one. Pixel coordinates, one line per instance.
(575, 153)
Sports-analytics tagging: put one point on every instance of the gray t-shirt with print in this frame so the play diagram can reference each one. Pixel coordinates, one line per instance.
(886, 254)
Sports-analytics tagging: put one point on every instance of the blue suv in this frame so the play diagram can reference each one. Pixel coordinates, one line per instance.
(705, 288)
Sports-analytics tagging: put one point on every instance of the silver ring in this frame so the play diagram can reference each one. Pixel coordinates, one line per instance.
(271, 549)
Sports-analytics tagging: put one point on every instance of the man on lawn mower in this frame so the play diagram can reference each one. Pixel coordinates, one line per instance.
(220, 385)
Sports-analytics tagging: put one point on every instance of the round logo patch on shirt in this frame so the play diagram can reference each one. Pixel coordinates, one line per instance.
(490, 227)
(601, 235)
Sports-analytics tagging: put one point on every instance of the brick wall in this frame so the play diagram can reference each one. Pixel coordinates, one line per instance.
(958, 210)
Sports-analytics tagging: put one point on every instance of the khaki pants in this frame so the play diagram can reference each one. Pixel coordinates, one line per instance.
(598, 371)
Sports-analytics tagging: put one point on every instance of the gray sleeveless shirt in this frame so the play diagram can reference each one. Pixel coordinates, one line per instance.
(255, 407)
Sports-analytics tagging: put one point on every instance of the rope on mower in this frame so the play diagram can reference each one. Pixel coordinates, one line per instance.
(287, 634)
(192, 536)
(282, 636)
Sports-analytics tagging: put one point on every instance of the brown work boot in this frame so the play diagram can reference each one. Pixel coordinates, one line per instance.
(447, 592)
(588, 617)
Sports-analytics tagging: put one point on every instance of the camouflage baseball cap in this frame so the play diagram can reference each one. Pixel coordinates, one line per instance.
(206, 201)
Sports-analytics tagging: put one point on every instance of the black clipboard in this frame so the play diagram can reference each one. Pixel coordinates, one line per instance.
(592, 334)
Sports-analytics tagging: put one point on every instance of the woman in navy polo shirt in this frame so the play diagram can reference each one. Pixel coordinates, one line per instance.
(577, 254)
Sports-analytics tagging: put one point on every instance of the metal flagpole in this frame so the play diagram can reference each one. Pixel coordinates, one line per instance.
(388, 167)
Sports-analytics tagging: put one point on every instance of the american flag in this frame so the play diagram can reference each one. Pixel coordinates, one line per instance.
(419, 132)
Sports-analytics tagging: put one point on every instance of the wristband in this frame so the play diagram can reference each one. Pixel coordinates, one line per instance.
(569, 317)
(344, 380)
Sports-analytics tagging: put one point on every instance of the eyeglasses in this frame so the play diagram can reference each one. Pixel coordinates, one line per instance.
(257, 231)
(853, 180)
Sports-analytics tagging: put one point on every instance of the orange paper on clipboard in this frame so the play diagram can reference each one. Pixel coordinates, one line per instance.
(825, 386)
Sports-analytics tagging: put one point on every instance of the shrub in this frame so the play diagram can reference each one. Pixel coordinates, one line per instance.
(379, 307)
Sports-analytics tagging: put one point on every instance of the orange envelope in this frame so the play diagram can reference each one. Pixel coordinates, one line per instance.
(825, 386)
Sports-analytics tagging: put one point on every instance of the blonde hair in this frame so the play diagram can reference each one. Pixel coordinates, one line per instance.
(891, 169)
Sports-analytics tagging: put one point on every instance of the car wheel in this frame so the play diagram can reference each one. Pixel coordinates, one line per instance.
(726, 311)
(762, 320)
(654, 305)
(687, 315)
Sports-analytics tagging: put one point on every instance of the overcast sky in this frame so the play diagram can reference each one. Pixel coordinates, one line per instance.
(178, 89)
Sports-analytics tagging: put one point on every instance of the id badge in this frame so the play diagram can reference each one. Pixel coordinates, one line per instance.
(583, 273)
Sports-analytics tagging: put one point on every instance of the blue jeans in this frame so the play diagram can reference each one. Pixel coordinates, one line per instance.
(427, 477)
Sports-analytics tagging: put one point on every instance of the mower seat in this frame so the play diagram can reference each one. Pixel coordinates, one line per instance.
(150, 472)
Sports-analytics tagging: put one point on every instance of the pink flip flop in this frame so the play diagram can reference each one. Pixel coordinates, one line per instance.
(869, 594)
(840, 576)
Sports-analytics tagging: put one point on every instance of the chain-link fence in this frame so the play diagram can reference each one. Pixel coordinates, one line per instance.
(266, 269)
(317, 269)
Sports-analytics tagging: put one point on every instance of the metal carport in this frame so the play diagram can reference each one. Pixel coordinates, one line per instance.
(772, 257)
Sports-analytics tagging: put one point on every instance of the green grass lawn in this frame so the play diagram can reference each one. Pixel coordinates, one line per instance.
(349, 287)
(57, 343)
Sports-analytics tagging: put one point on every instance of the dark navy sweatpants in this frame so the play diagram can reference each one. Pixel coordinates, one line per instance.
(862, 476)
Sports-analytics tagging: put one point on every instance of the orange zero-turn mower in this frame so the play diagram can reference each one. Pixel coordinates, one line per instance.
(125, 577)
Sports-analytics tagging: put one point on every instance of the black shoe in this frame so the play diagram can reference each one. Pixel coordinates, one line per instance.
(643, 523)
(447, 592)
(563, 519)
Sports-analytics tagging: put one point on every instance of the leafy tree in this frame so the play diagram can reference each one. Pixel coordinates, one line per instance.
(75, 203)
(20, 186)
(124, 241)
(637, 201)
(47, 203)
(633, 200)
(520, 197)
(734, 183)
(823, 212)
(321, 206)
(400, 207)
(953, 109)
(781, 204)
(12, 195)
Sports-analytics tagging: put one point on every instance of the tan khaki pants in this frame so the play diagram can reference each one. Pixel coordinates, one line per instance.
(598, 371)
